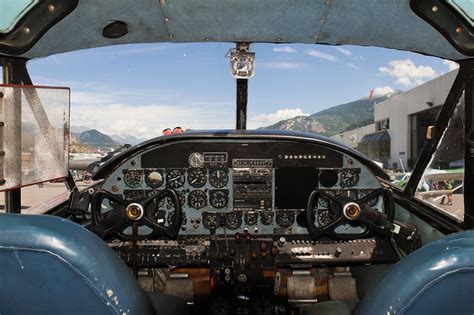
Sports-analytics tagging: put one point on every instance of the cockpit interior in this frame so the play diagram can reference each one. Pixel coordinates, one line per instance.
(233, 221)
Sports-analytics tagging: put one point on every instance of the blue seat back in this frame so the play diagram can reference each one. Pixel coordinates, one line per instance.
(435, 279)
(50, 265)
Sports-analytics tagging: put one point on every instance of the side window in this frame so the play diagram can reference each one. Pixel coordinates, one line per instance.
(442, 183)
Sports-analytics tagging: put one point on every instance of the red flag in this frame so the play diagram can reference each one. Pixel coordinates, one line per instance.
(371, 94)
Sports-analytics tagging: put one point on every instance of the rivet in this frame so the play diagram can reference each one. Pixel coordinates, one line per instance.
(207, 39)
(434, 9)
(167, 19)
(328, 2)
(458, 30)
(171, 36)
(278, 39)
(243, 39)
(26, 30)
(51, 8)
(316, 37)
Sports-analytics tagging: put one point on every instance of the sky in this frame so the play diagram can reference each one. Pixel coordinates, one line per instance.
(142, 89)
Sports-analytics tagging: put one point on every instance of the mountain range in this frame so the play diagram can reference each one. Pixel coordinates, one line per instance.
(327, 122)
(334, 120)
(94, 138)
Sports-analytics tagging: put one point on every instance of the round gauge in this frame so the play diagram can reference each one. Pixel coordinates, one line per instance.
(218, 178)
(372, 202)
(181, 197)
(349, 177)
(266, 217)
(171, 217)
(219, 198)
(251, 218)
(324, 202)
(132, 194)
(233, 220)
(160, 217)
(197, 199)
(197, 177)
(175, 178)
(154, 178)
(285, 218)
(328, 178)
(151, 193)
(133, 178)
(324, 218)
(210, 220)
(196, 159)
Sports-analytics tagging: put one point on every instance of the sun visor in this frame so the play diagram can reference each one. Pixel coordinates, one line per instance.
(34, 135)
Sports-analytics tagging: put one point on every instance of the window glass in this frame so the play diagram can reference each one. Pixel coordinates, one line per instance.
(442, 183)
(11, 11)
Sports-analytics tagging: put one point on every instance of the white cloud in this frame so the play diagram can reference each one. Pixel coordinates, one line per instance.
(111, 116)
(321, 55)
(282, 65)
(343, 51)
(285, 49)
(383, 90)
(351, 65)
(451, 64)
(269, 119)
(407, 73)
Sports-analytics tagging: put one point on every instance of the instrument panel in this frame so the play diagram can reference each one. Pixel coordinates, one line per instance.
(237, 186)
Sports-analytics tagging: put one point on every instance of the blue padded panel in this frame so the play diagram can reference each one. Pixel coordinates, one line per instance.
(54, 266)
(435, 279)
(383, 23)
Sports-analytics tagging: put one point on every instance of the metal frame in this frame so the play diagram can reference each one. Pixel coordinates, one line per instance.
(468, 75)
(13, 71)
(463, 82)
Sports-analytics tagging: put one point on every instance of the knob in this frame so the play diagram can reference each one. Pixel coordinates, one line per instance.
(338, 252)
(237, 237)
(282, 241)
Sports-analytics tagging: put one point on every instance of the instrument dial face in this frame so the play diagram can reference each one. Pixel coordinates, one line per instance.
(372, 202)
(171, 217)
(181, 197)
(324, 202)
(197, 199)
(233, 220)
(175, 178)
(154, 178)
(218, 178)
(324, 218)
(158, 203)
(210, 220)
(251, 218)
(285, 218)
(196, 159)
(349, 177)
(266, 217)
(197, 177)
(133, 194)
(133, 178)
(219, 198)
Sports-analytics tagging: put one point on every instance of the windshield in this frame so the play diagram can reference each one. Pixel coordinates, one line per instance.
(377, 101)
